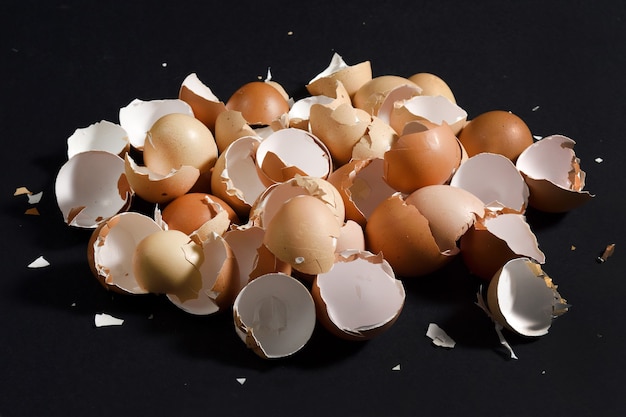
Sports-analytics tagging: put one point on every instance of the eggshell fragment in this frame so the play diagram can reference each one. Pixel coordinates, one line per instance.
(204, 104)
(522, 298)
(435, 109)
(274, 315)
(376, 140)
(359, 298)
(138, 116)
(100, 136)
(552, 172)
(351, 76)
(91, 187)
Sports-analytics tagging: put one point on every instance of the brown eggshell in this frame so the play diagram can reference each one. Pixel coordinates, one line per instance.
(259, 102)
(373, 93)
(483, 253)
(204, 104)
(190, 211)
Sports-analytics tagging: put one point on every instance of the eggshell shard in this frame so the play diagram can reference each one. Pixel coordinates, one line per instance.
(435, 109)
(111, 248)
(157, 188)
(359, 298)
(552, 171)
(101, 136)
(288, 152)
(372, 94)
(495, 180)
(259, 102)
(274, 315)
(304, 233)
(204, 104)
(219, 279)
(522, 298)
(91, 187)
(352, 77)
(138, 116)
(432, 85)
(375, 142)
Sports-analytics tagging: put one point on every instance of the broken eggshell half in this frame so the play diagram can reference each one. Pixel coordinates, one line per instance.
(435, 109)
(100, 136)
(274, 315)
(91, 187)
(204, 104)
(359, 298)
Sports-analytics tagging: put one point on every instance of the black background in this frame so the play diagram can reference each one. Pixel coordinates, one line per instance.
(560, 65)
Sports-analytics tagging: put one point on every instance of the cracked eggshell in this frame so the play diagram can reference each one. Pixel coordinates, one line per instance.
(111, 247)
(435, 109)
(177, 140)
(552, 171)
(100, 136)
(496, 131)
(300, 111)
(522, 298)
(495, 180)
(288, 152)
(138, 116)
(375, 142)
(230, 126)
(157, 188)
(496, 239)
(259, 102)
(193, 211)
(398, 94)
(353, 77)
(372, 94)
(219, 279)
(235, 177)
(304, 233)
(359, 298)
(423, 155)
(432, 85)
(362, 187)
(91, 187)
(274, 315)
(204, 104)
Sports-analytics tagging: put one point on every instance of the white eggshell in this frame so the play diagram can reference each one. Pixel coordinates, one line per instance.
(91, 187)
(100, 136)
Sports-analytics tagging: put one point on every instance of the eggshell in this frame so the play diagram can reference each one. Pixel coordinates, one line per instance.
(359, 298)
(157, 188)
(553, 174)
(139, 115)
(259, 102)
(435, 109)
(111, 247)
(274, 315)
(230, 126)
(522, 298)
(190, 211)
(204, 104)
(421, 157)
(100, 136)
(372, 94)
(352, 77)
(395, 96)
(496, 131)
(351, 237)
(91, 187)
(304, 233)
(432, 85)
(377, 140)
(332, 97)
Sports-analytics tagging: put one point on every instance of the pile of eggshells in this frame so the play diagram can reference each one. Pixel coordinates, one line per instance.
(290, 213)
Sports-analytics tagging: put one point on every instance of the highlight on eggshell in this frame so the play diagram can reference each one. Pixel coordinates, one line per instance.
(203, 102)
(101, 136)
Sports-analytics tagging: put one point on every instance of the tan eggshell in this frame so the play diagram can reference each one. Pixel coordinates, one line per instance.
(219, 279)
(204, 104)
(372, 94)
(377, 140)
(432, 85)
(352, 77)
(259, 102)
(270, 201)
(360, 297)
(190, 211)
(495, 180)
(496, 131)
(362, 187)
(339, 128)
(522, 298)
(304, 233)
(274, 315)
(553, 174)
(235, 177)
(288, 152)
(230, 126)
(111, 247)
(91, 187)
(100, 136)
(139, 115)
(435, 109)
(351, 237)
(422, 157)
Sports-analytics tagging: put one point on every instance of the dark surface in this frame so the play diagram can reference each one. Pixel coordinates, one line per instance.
(558, 65)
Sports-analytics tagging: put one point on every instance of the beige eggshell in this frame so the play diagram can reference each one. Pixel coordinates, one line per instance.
(230, 126)
(432, 85)
(299, 113)
(91, 187)
(156, 188)
(100, 136)
(553, 174)
(304, 233)
(353, 77)
(360, 297)
(372, 94)
(352, 237)
(422, 157)
(274, 315)
(339, 128)
(377, 140)
(435, 109)
(204, 104)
